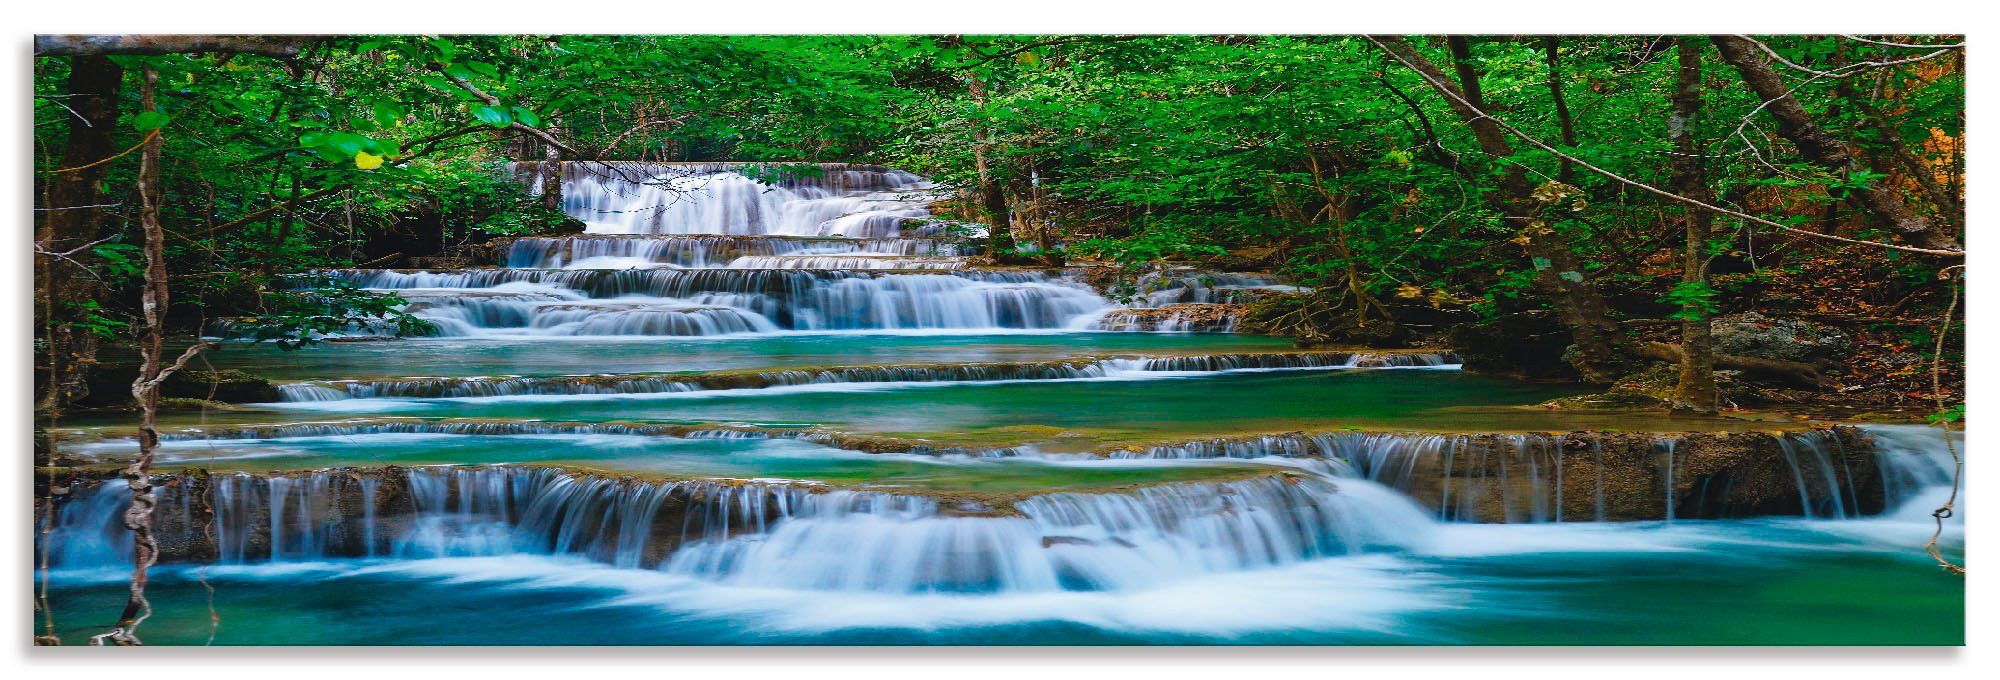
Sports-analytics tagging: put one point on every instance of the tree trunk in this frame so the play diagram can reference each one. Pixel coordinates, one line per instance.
(1552, 48)
(146, 387)
(1947, 203)
(1468, 74)
(1602, 352)
(71, 218)
(1797, 125)
(1000, 233)
(552, 172)
(1802, 374)
(1695, 390)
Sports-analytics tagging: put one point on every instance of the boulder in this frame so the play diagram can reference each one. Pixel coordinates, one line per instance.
(1757, 336)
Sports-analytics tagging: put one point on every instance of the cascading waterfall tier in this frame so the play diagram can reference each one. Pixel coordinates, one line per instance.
(1831, 473)
(1070, 369)
(727, 301)
(709, 251)
(760, 534)
(428, 512)
(794, 199)
(802, 536)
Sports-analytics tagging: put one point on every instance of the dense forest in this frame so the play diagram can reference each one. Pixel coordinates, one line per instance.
(1693, 223)
(1563, 207)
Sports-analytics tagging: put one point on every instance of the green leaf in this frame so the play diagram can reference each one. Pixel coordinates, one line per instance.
(346, 144)
(148, 121)
(446, 50)
(388, 114)
(492, 115)
(525, 116)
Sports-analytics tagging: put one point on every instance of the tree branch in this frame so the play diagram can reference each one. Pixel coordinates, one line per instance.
(1460, 101)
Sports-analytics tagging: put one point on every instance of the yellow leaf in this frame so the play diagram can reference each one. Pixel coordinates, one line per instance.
(367, 161)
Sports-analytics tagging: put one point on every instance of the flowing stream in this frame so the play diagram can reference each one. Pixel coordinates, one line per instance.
(748, 408)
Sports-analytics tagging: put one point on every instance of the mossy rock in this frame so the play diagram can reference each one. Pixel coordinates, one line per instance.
(229, 386)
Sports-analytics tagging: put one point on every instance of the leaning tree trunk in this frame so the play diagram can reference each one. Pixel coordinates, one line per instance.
(1695, 390)
(1602, 351)
(146, 387)
(1797, 125)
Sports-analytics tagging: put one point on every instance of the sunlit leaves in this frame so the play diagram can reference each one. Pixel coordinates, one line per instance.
(493, 115)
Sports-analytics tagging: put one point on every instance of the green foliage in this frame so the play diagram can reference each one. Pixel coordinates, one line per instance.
(1696, 300)
(299, 318)
(1951, 414)
(96, 323)
(1311, 154)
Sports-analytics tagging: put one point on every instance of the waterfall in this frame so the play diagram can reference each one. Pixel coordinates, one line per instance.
(1066, 541)
(827, 199)
(1369, 494)
(414, 513)
(750, 533)
(1545, 477)
(701, 252)
(1177, 287)
(730, 249)
(727, 301)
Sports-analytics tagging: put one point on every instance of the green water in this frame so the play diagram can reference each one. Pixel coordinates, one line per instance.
(1082, 411)
(1717, 583)
(1774, 581)
(451, 357)
(676, 458)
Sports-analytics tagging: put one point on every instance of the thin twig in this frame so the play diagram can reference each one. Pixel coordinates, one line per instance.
(1957, 461)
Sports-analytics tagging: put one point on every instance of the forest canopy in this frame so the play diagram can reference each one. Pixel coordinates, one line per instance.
(1571, 202)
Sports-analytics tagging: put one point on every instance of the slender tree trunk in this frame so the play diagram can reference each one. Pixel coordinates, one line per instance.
(269, 263)
(1601, 351)
(146, 387)
(552, 172)
(1468, 73)
(1000, 235)
(1552, 48)
(1797, 125)
(1695, 390)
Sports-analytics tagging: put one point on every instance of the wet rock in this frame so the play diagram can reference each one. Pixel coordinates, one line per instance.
(1755, 335)
(1518, 345)
(229, 386)
(1184, 318)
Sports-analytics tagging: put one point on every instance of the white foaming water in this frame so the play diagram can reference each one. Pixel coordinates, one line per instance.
(1322, 551)
(636, 198)
(706, 250)
(703, 302)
